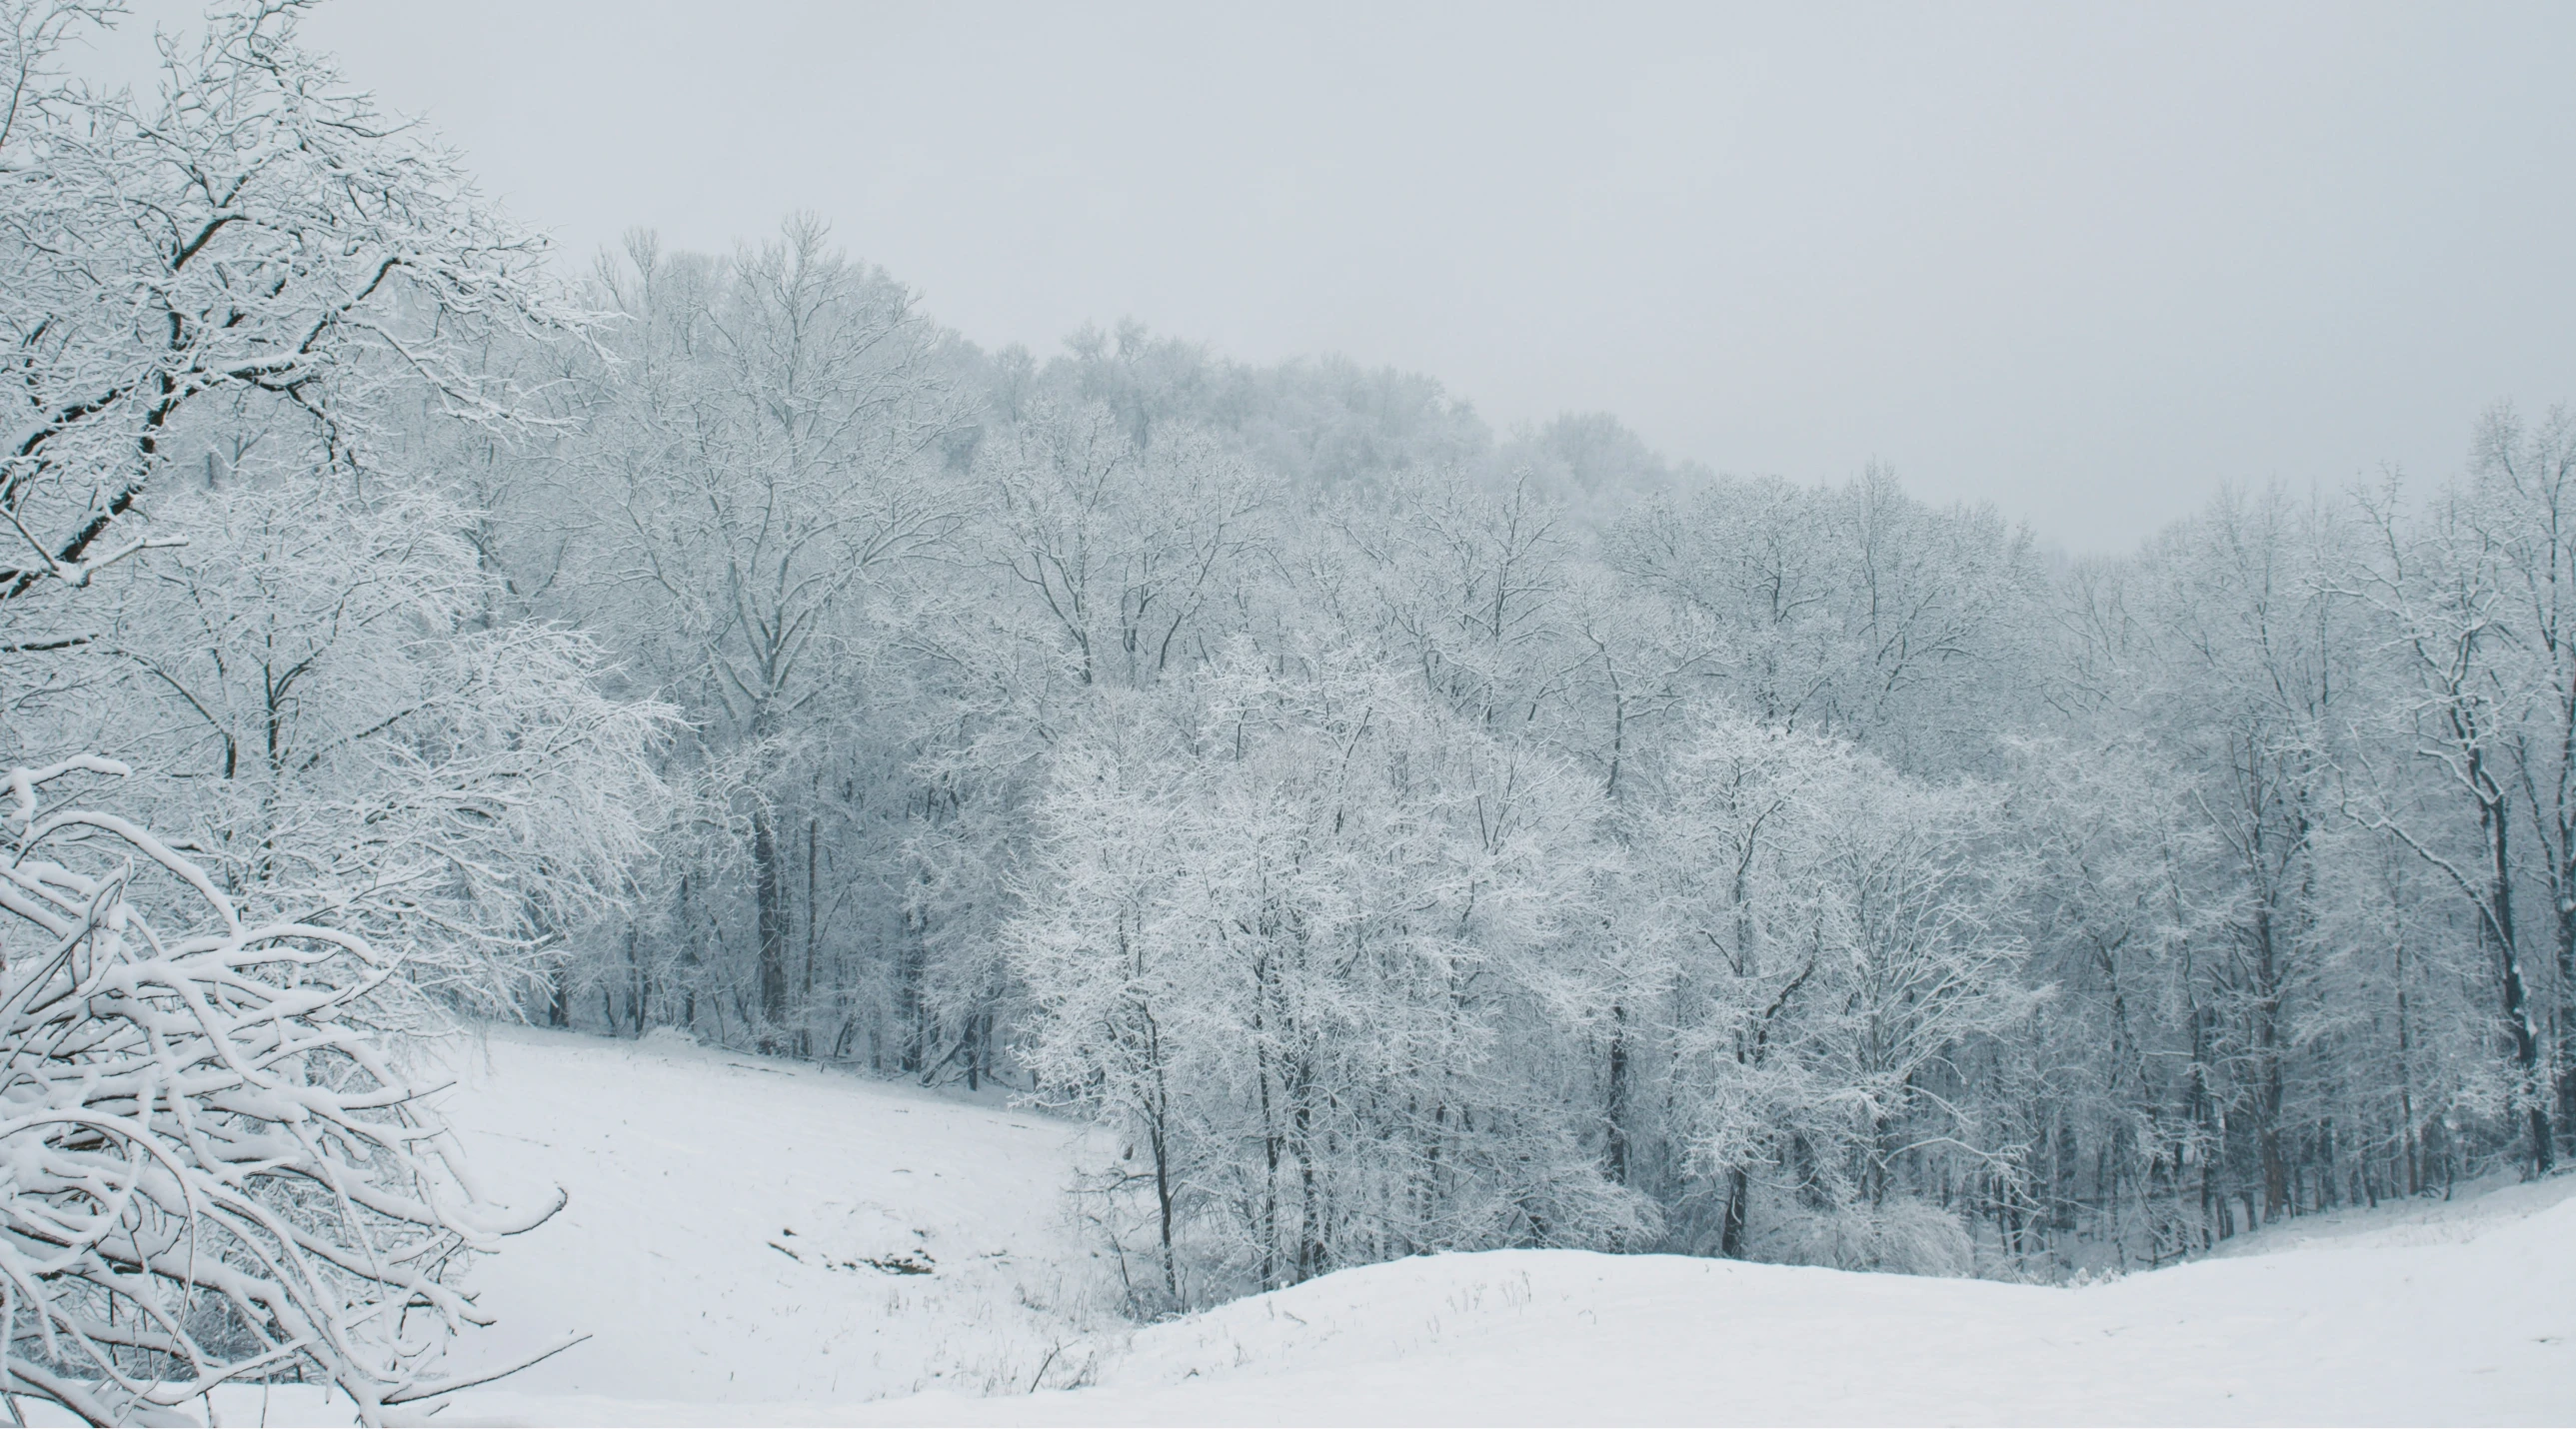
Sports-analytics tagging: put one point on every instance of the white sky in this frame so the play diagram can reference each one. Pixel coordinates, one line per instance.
(2084, 262)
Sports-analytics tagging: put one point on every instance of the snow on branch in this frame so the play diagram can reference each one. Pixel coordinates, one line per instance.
(208, 1170)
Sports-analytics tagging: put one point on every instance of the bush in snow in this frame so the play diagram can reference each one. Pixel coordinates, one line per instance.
(1902, 1235)
(208, 1169)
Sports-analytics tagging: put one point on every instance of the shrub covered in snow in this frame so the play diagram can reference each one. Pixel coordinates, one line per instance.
(209, 1171)
(1902, 1235)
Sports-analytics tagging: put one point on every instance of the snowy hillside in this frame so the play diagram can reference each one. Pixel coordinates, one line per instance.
(689, 1168)
(2467, 1321)
(744, 1230)
(751, 1241)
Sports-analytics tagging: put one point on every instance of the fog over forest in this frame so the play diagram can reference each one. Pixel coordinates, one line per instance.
(1399, 832)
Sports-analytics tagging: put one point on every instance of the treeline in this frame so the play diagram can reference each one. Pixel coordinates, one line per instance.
(1416, 838)
(1406, 836)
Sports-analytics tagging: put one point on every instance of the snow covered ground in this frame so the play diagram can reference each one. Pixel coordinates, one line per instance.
(2466, 1319)
(743, 1229)
(756, 1242)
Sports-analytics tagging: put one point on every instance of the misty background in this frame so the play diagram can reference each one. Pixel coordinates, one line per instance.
(2087, 263)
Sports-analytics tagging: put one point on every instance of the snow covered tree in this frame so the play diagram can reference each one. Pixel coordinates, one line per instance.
(214, 1171)
(1836, 950)
(1320, 945)
(767, 445)
(1853, 610)
(254, 267)
(2466, 702)
(366, 786)
(322, 706)
(2522, 493)
(2115, 1095)
(254, 231)
(1124, 548)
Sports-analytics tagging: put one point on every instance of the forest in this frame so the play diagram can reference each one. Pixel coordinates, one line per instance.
(1402, 834)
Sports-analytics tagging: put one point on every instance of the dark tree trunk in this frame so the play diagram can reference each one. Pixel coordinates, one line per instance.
(1310, 1218)
(2566, 937)
(813, 843)
(1618, 1110)
(771, 890)
(640, 983)
(2499, 925)
(1157, 1130)
(912, 1040)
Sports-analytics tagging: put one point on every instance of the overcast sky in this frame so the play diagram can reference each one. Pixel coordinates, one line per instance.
(2084, 262)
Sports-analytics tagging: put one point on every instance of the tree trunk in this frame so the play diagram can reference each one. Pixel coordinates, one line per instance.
(1310, 1241)
(1618, 1110)
(1730, 1235)
(2566, 937)
(912, 1042)
(2499, 926)
(640, 984)
(1157, 1131)
(813, 842)
(770, 881)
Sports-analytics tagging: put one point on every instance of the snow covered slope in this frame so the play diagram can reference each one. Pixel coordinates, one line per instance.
(689, 1168)
(2468, 1317)
(743, 1229)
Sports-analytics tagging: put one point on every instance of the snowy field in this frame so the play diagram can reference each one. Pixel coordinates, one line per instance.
(2467, 1322)
(756, 1242)
(742, 1229)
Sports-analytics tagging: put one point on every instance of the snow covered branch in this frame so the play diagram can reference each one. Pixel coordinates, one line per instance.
(208, 1170)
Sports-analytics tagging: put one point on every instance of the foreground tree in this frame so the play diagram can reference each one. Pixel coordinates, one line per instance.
(255, 232)
(212, 1171)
